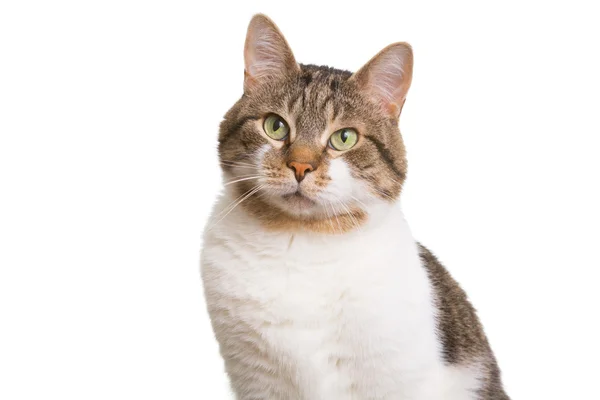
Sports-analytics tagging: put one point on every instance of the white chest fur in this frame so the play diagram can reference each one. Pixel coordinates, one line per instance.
(316, 317)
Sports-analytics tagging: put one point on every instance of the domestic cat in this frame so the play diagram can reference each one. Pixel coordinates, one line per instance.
(315, 286)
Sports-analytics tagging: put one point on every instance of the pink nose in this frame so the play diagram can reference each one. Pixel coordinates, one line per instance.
(300, 169)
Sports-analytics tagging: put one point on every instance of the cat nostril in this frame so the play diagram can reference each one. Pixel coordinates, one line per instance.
(300, 169)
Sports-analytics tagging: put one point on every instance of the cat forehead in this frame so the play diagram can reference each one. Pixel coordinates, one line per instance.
(315, 96)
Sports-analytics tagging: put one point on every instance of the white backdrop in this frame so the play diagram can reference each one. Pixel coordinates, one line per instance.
(108, 120)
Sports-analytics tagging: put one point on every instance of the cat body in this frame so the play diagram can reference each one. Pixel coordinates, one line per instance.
(296, 314)
(315, 286)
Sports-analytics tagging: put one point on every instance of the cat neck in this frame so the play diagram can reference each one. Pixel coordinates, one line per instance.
(385, 234)
(336, 219)
(275, 222)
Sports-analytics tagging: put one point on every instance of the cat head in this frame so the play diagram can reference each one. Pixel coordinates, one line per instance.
(313, 147)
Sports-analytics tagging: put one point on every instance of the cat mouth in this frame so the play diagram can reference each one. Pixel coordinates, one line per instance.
(299, 200)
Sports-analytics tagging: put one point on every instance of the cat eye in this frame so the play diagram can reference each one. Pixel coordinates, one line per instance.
(276, 127)
(344, 139)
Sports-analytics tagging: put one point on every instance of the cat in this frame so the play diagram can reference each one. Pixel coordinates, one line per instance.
(314, 284)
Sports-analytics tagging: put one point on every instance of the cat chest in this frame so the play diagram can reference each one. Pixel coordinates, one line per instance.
(336, 318)
(316, 298)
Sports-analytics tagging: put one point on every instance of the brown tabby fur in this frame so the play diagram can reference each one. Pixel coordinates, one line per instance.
(316, 101)
(459, 329)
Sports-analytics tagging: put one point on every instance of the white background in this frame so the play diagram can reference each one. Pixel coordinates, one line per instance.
(108, 119)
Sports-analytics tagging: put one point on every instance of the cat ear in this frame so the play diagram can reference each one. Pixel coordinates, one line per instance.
(387, 76)
(266, 53)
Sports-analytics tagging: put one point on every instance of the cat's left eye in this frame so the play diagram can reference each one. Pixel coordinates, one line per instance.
(344, 139)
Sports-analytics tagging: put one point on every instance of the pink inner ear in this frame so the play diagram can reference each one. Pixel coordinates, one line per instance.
(262, 54)
(387, 77)
(266, 53)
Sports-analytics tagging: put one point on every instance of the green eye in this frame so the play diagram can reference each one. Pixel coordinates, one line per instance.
(276, 127)
(344, 139)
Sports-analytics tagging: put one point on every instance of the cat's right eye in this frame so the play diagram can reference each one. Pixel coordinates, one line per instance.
(276, 128)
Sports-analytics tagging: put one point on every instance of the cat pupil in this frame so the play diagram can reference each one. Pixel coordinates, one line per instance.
(344, 136)
(277, 125)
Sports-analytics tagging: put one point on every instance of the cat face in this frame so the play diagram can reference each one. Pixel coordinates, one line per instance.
(314, 146)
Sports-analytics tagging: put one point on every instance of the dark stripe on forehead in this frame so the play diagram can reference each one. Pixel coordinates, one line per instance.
(293, 100)
(314, 93)
(303, 98)
(386, 155)
(334, 85)
(336, 109)
(307, 79)
(327, 100)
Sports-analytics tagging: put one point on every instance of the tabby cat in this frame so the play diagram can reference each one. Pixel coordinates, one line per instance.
(315, 286)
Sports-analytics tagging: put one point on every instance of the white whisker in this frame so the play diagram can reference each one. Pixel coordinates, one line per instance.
(242, 179)
(252, 191)
(335, 214)
(360, 202)
(348, 212)
(233, 202)
(329, 218)
(238, 164)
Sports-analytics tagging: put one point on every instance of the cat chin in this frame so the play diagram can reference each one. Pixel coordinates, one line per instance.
(297, 205)
(299, 202)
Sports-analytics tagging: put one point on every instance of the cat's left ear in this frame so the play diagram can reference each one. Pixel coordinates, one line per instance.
(387, 76)
(267, 55)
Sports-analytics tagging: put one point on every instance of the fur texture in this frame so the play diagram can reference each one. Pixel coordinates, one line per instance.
(315, 287)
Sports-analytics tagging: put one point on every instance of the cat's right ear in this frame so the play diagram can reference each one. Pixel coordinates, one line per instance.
(266, 53)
